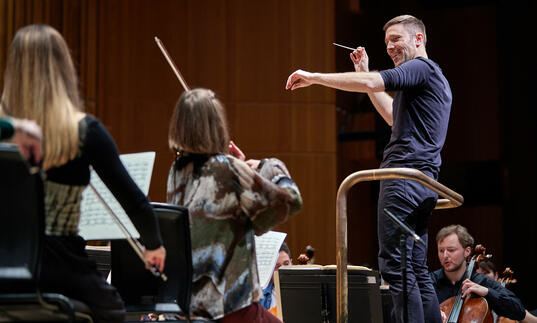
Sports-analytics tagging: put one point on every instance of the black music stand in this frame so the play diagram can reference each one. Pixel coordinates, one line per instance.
(21, 236)
(144, 293)
(308, 294)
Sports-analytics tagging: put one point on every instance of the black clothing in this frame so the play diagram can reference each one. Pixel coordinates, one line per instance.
(98, 150)
(66, 267)
(500, 299)
(421, 109)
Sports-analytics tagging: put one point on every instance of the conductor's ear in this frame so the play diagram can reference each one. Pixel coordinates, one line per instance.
(419, 39)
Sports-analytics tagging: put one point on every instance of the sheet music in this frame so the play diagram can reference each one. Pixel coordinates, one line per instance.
(267, 249)
(95, 222)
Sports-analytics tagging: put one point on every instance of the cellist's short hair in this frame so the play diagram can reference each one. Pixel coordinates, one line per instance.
(465, 239)
(198, 124)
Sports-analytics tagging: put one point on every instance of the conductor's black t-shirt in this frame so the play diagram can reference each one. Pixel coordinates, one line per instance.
(421, 108)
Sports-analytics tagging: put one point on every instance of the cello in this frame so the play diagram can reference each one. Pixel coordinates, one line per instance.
(470, 309)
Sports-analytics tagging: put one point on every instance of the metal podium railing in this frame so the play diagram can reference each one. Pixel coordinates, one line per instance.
(450, 199)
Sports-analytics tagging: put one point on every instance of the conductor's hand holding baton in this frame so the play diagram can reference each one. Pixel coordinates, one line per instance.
(360, 60)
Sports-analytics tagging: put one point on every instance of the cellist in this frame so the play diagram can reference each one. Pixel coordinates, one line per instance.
(454, 245)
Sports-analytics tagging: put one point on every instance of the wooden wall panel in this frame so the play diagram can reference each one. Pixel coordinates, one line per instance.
(136, 88)
(244, 51)
(465, 141)
(75, 20)
(208, 46)
(291, 127)
(88, 54)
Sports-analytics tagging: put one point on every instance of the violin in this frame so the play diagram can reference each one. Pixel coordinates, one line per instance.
(471, 309)
(507, 277)
(307, 258)
(505, 280)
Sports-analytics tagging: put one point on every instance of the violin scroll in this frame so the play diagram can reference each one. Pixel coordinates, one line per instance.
(507, 277)
(308, 257)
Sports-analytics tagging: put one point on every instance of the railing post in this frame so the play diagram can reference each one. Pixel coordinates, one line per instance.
(451, 199)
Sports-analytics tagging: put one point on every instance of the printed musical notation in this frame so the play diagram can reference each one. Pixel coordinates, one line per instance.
(267, 250)
(95, 222)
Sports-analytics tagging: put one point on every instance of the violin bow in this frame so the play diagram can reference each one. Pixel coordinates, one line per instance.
(164, 51)
(135, 244)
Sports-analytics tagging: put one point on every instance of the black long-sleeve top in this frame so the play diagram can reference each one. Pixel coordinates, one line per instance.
(64, 186)
(500, 299)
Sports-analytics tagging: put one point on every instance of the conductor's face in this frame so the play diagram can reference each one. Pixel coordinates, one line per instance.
(400, 44)
(451, 253)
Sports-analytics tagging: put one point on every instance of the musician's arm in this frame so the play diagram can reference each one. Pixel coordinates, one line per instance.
(268, 195)
(104, 158)
(500, 299)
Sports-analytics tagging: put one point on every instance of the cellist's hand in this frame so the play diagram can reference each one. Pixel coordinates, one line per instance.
(469, 286)
(444, 316)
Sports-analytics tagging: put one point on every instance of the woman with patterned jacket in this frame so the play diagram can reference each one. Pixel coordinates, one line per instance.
(229, 201)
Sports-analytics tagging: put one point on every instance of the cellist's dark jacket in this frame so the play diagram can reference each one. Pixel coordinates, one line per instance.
(500, 299)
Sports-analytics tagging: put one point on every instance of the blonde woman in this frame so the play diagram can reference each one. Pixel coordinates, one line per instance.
(40, 84)
(229, 202)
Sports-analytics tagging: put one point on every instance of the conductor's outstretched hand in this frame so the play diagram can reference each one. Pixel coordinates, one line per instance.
(298, 79)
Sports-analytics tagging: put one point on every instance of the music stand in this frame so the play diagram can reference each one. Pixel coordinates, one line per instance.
(143, 292)
(308, 294)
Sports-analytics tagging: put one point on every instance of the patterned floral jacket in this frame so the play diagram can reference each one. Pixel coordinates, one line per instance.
(229, 203)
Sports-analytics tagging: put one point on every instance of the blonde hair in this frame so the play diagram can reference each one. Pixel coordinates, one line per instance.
(198, 124)
(40, 83)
